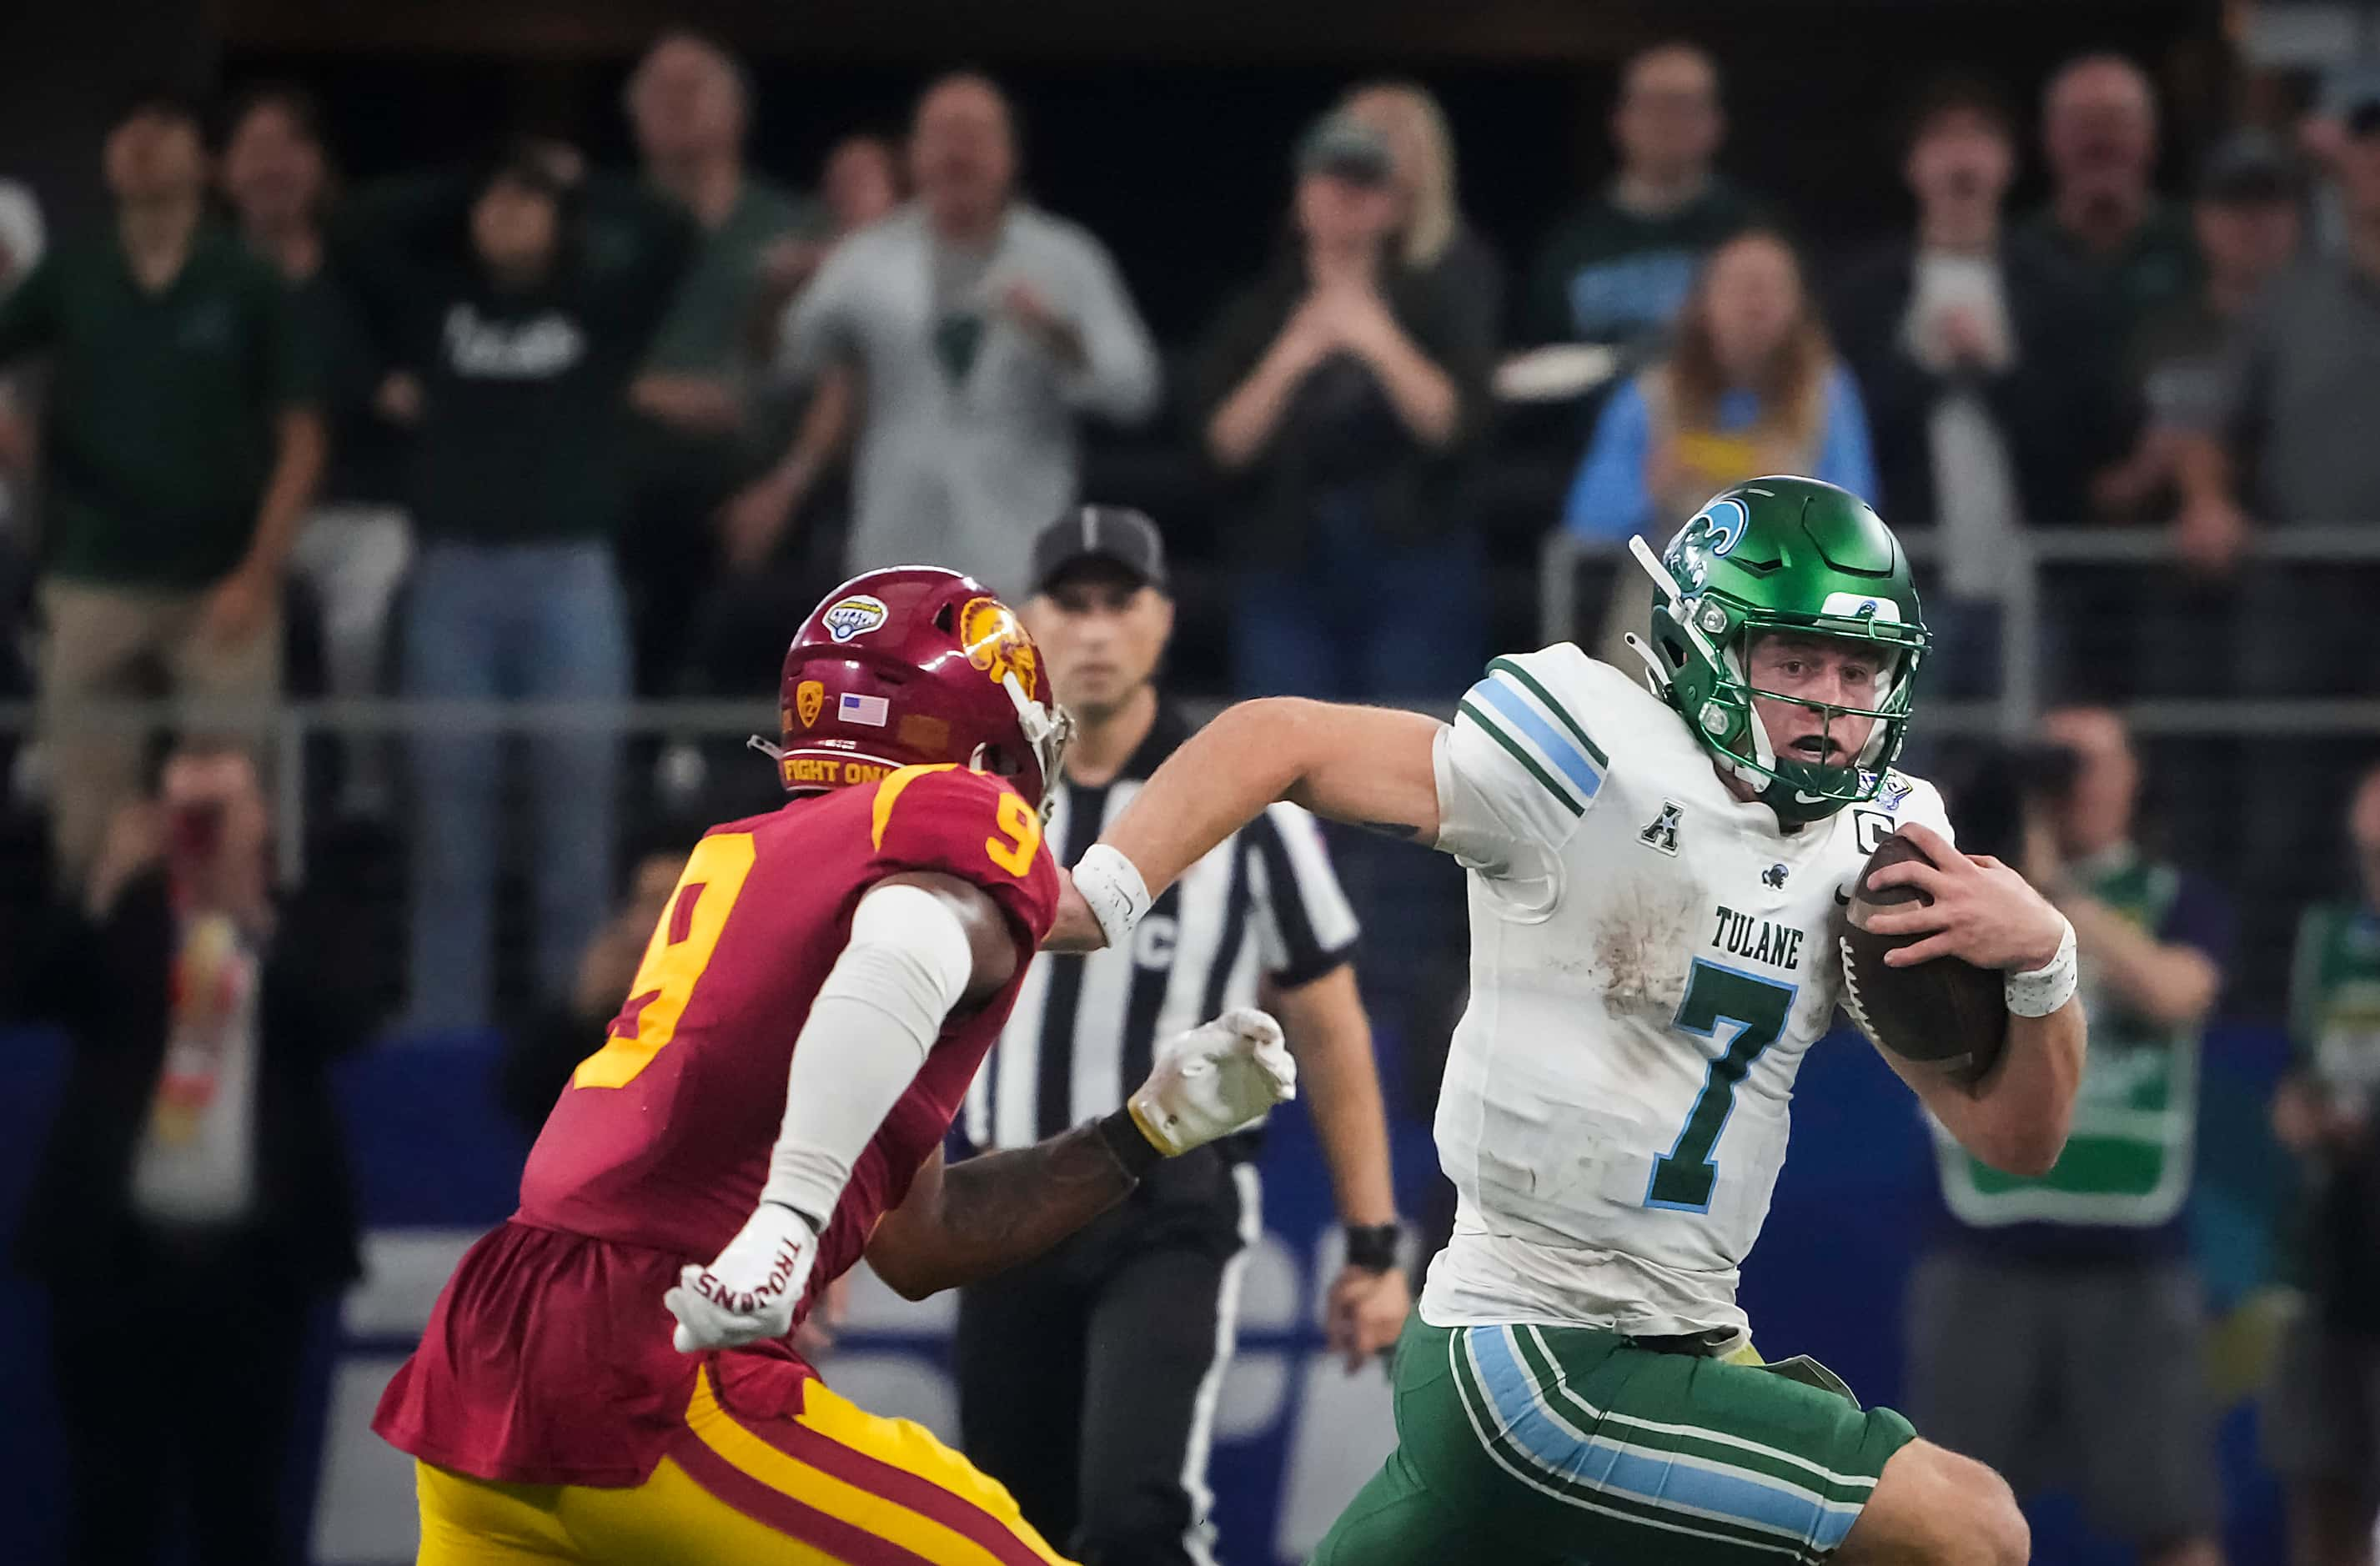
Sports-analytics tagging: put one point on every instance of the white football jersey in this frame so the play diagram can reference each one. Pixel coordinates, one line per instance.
(1650, 957)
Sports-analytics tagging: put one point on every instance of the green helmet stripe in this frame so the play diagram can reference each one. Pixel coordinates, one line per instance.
(1506, 666)
(1521, 754)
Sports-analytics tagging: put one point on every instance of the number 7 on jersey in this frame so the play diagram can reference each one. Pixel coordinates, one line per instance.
(1756, 1008)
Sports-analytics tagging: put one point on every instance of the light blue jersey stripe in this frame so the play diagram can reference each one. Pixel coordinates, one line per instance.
(1658, 1477)
(1559, 747)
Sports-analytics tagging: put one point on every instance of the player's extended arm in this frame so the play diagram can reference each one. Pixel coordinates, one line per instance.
(1371, 766)
(922, 943)
(969, 1219)
(2016, 1117)
(972, 1218)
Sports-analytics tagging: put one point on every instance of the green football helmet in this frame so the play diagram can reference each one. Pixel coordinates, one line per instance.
(1782, 554)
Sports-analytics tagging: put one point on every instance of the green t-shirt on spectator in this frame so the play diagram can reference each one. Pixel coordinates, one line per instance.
(708, 330)
(160, 429)
(704, 331)
(2157, 266)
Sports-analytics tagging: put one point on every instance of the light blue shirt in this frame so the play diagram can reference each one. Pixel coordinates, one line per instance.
(1607, 500)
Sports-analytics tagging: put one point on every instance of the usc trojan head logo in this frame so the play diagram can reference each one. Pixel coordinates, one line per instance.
(996, 644)
(809, 701)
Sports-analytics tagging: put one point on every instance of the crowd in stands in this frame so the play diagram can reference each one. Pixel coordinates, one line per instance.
(532, 431)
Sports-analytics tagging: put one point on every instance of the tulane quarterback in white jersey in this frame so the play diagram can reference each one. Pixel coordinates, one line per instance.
(1657, 861)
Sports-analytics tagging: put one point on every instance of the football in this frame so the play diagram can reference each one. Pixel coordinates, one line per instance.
(1946, 1011)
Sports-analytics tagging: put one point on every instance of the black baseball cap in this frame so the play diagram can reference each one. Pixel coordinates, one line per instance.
(1108, 535)
(2249, 166)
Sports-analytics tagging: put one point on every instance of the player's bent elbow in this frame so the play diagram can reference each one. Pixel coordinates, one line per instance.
(903, 1271)
(2024, 1150)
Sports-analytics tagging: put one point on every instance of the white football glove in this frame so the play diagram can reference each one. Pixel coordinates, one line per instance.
(751, 1291)
(1213, 1080)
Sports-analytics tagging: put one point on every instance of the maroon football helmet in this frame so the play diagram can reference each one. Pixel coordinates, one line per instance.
(910, 667)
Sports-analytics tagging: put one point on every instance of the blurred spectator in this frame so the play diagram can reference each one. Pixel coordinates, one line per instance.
(2067, 1304)
(1617, 268)
(1434, 240)
(978, 329)
(1750, 385)
(1989, 394)
(2104, 218)
(776, 571)
(193, 1210)
(522, 303)
(354, 546)
(861, 182)
(1340, 396)
(2322, 1413)
(2288, 432)
(182, 448)
(2298, 385)
(2248, 218)
(2321, 136)
(704, 428)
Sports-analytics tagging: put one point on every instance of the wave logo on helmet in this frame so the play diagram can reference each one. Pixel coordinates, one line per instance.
(854, 616)
(1716, 527)
(996, 644)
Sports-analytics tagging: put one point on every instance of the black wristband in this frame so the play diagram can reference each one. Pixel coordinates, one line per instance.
(1130, 1144)
(1373, 1246)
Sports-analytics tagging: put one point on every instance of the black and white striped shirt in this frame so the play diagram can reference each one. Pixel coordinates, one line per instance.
(1264, 904)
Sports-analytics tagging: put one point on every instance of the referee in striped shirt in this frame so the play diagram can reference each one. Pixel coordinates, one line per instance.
(1087, 1379)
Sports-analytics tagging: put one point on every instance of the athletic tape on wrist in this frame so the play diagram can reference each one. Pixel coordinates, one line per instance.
(1111, 885)
(2036, 993)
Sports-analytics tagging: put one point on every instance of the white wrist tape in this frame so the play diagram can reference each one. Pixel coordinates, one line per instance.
(2036, 993)
(868, 1033)
(1111, 885)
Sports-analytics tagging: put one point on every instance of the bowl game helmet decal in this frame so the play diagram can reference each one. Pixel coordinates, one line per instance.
(915, 666)
(1782, 554)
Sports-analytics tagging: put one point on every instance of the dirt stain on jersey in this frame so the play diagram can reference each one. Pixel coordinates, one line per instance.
(1642, 942)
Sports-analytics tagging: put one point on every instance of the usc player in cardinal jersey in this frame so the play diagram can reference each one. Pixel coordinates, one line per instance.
(608, 1377)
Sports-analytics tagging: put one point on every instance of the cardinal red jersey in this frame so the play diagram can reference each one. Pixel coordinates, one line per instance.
(548, 1358)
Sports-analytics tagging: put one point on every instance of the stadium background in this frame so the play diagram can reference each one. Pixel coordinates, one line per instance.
(1162, 129)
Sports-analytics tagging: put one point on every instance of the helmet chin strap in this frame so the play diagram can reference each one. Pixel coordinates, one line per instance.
(1656, 678)
(1046, 730)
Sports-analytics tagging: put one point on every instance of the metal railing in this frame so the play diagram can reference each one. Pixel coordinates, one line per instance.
(2022, 643)
(283, 728)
